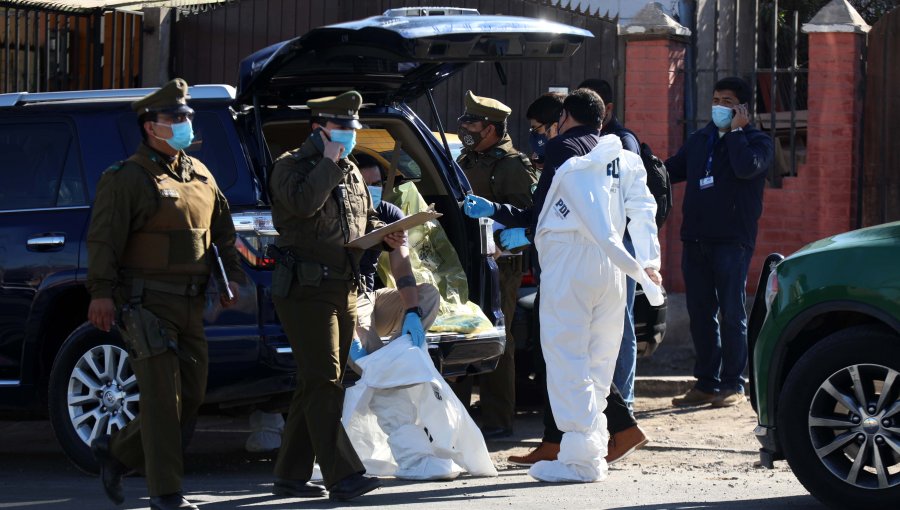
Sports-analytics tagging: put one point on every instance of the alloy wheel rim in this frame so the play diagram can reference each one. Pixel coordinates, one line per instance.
(102, 394)
(854, 425)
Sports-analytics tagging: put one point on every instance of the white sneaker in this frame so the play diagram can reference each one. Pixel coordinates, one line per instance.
(266, 432)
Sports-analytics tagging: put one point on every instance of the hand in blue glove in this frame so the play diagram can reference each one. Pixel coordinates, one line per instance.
(412, 326)
(477, 207)
(357, 350)
(512, 238)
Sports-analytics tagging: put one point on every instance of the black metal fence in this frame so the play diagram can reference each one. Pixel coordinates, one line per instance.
(48, 50)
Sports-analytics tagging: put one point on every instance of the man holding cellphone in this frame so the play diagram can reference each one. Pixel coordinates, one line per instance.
(724, 165)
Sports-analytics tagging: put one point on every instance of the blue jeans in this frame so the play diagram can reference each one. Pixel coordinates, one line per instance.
(715, 279)
(623, 376)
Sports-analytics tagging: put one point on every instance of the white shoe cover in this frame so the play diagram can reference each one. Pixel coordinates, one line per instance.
(266, 432)
(428, 468)
(555, 471)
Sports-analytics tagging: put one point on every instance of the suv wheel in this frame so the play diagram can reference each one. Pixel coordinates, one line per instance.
(93, 391)
(839, 418)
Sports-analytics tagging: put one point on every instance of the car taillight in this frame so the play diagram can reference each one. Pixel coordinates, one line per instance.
(255, 231)
(528, 279)
(771, 289)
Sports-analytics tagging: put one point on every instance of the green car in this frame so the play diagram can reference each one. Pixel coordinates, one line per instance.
(825, 367)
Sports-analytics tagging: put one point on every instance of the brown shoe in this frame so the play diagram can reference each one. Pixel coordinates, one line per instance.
(729, 398)
(623, 443)
(694, 397)
(546, 451)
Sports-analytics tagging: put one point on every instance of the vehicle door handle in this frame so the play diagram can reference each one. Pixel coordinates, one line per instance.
(46, 242)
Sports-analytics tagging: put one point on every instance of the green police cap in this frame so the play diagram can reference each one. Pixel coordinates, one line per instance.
(342, 109)
(484, 108)
(170, 98)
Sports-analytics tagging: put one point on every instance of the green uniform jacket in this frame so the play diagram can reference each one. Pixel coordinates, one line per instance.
(306, 209)
(127, 198)
(500, 174)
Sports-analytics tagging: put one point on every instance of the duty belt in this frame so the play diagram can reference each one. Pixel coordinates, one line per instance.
(196, 287)
(286, 258)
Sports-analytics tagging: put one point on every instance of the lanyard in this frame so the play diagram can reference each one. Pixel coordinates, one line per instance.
(711, 146)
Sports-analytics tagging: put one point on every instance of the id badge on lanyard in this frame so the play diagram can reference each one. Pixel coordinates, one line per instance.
(708, 181)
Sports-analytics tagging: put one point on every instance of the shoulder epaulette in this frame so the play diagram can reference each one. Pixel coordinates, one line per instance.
(115, 166)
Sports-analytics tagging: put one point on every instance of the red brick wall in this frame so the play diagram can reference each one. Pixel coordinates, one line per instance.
(820, 201)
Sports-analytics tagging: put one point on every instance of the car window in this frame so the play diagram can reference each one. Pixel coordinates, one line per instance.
(210, 145)
(380, 141)
(39, 166)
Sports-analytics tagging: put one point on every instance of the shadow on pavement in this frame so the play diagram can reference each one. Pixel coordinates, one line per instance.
(782, 503)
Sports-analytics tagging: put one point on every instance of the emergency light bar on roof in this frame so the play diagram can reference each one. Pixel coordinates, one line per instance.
(431, 11)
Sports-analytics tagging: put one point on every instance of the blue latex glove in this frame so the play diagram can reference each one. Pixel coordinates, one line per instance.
(477, 207)
(357, 350)
(512, 238)
(412, 326)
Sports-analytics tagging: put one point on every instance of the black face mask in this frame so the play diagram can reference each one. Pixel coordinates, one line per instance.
(469, 139)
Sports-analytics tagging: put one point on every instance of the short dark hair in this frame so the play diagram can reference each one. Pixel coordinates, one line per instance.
(737, 85)
(586, 107)
(364, 160)
(499, 127)
(601, 87)
(145, 117)
(546, 108)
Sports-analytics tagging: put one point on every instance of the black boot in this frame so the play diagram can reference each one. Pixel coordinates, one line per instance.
(298, 489)
(353, 486)
(111, 470)
(171, 502)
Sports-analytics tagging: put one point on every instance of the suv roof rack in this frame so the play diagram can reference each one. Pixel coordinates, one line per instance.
(195, 92)
(431, 11)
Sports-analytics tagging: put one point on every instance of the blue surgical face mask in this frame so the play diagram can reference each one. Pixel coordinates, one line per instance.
(345, 137)
(721, 116)
(182, 135)
(537, 142)
(375, 191)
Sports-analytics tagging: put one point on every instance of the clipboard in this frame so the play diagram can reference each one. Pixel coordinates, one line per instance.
(377, 236)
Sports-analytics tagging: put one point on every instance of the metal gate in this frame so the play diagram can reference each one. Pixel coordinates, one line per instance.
(209, 46)
(48, 50)
(881, 160)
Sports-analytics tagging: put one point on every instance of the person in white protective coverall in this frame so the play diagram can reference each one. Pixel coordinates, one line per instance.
(380, 313)
(579, 241)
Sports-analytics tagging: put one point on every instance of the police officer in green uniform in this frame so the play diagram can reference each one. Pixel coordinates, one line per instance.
(319, 203)
(496, 169)
(149, 259)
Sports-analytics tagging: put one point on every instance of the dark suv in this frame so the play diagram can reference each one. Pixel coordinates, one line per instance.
(54, 146)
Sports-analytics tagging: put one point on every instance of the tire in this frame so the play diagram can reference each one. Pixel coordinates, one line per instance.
(820, 387)
(92, 391)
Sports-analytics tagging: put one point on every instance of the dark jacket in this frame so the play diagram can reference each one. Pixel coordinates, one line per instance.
(577, 141)
(629, 140)
(727, 211)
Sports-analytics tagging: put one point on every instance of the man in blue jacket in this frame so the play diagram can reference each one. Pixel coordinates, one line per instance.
(724, 165)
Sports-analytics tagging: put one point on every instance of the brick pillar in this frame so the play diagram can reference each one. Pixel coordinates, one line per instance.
(834, 134)
(655, 47)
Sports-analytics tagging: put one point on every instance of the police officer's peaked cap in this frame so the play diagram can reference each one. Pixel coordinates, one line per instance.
(342, 109)
(170, 98)
(484, 108)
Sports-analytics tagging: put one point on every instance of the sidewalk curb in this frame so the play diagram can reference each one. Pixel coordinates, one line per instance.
(663, 386)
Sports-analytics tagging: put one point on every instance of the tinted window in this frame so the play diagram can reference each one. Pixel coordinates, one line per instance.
(39, 166)
(210, 145)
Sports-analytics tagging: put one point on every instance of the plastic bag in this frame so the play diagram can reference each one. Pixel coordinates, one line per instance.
(434, 260)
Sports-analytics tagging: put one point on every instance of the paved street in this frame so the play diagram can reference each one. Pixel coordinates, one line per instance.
(699, 459)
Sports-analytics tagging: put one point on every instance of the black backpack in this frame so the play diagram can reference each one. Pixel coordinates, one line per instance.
(657, 180)
(659, 183)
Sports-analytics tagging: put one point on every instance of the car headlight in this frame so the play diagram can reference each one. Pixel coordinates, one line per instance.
(771, 289)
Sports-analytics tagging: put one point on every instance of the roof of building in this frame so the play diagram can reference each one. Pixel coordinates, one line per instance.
(76, 6)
